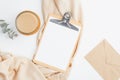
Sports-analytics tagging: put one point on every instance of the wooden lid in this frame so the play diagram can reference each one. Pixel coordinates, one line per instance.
(27, 22)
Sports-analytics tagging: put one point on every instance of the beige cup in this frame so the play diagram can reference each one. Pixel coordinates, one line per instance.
(27, 22)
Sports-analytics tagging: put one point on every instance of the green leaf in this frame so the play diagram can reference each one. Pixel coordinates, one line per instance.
(4, 25)
(5, 29)
(2, 20)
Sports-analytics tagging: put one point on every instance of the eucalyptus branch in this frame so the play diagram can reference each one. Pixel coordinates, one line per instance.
(7, 30)
(1, 20)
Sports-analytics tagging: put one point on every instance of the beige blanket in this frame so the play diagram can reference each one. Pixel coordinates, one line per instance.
(59, 7)
(19, 68)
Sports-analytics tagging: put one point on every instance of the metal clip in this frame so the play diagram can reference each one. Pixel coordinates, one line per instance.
(65, 21)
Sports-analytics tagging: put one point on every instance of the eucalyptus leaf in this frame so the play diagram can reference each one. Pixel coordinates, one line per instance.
(2, 20)
(5, 29)
(4, 25)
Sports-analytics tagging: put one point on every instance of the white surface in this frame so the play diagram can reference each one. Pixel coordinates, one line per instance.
(57, 45)
(101, 20)
(22, 45)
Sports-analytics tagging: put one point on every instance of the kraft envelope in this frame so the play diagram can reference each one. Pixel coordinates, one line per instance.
(105, 60)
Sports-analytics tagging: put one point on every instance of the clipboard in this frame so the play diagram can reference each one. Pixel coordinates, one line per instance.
(58, 43)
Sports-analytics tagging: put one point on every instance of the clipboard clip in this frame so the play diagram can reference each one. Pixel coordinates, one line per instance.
(65, 21)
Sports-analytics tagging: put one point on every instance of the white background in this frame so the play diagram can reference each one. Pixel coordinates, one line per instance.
(101, 21)
(22, 45)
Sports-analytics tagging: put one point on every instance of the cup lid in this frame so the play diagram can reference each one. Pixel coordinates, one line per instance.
(27, 22)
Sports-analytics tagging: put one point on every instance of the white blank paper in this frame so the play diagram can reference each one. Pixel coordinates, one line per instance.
(57, 45)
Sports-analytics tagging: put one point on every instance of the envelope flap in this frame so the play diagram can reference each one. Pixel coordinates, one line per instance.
(112, 56)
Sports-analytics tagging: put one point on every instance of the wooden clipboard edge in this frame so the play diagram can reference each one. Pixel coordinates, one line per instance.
(73, 53)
